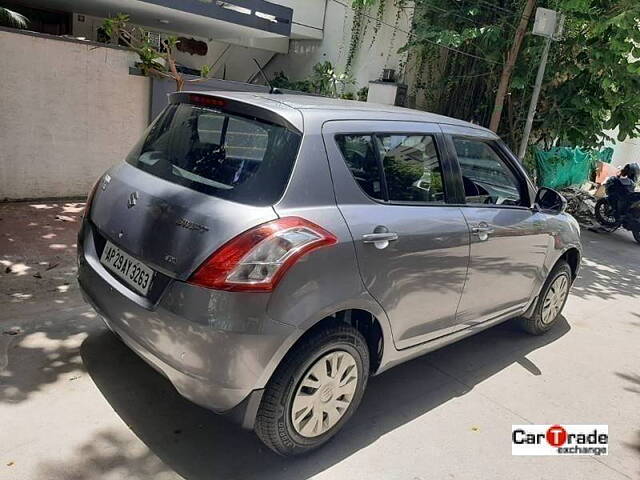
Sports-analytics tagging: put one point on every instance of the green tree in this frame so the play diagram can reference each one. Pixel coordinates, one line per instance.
(591, 82)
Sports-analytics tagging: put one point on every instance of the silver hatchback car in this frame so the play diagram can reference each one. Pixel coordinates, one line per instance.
(268, 253)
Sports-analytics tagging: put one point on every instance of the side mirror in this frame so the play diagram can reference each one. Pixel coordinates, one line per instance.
(548, 200)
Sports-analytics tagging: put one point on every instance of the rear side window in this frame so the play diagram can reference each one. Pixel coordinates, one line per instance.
(237, 158)
(411, 168)
(359, 154)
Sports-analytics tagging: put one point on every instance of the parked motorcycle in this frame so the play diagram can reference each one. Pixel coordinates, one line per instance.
(621, 206)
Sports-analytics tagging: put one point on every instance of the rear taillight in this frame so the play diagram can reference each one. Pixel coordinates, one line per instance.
(258, 258)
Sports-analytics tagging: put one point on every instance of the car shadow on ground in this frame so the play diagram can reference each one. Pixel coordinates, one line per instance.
(197, 443)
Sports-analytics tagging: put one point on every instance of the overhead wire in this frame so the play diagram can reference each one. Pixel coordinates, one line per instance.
(464, 17)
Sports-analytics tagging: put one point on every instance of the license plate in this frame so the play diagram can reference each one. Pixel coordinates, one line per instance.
(134, 273)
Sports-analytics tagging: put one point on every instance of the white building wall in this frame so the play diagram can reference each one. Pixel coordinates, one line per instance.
(235, 62)
(308, 17)
(321, 31)
(68, 111)
(624, 152)
(370, 59)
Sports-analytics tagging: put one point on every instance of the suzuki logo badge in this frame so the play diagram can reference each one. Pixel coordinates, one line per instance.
(133, 199)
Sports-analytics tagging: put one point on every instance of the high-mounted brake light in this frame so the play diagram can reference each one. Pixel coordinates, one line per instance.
(258, 258)
(206, 100)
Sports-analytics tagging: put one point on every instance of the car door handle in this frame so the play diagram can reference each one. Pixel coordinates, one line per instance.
(379, 237)
(482, 231)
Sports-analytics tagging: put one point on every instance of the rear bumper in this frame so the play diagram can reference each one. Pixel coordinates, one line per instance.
(213, 346)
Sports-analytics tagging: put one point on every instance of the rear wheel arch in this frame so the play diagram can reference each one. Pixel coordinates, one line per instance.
(362, 320)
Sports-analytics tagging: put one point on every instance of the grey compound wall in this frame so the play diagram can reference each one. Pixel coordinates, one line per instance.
(68, 111)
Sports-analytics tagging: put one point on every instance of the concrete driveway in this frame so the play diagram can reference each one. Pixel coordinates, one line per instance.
(76, 404)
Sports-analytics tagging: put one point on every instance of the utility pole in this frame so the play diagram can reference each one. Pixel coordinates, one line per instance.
(534, 99)
(507, 70)
(548, 24)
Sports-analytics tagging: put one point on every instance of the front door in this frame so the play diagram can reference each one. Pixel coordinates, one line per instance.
(509, 240)
(412, 246)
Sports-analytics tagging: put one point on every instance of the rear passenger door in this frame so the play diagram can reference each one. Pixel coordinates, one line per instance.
(509, 240)
(391, 182)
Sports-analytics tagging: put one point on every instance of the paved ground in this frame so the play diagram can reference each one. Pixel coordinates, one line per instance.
(76, 404)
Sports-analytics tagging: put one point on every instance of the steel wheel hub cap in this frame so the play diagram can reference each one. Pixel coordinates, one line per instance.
(555, 298)
(324, 393)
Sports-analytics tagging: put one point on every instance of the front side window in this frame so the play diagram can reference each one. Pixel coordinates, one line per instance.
(222, 154)
(485, 176)
(411, 168)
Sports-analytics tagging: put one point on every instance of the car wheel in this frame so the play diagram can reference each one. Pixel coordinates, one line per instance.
(636, 235)
(551, 301)
(314, 392)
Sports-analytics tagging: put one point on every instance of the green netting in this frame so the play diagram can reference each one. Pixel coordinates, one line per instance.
(564, 166)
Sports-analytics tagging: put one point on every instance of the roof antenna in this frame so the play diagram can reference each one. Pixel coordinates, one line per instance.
(272, 89)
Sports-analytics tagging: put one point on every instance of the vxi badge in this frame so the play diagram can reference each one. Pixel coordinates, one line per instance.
(559, 439)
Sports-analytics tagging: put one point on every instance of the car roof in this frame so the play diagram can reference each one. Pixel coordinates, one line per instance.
(328, 107)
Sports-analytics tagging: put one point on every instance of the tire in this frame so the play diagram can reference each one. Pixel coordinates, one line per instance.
(275, 419)
(636, 235)
(540, 321)
(604, 212)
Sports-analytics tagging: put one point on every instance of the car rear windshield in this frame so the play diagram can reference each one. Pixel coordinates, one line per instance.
(242, 159)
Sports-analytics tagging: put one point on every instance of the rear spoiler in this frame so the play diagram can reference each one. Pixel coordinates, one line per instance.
(234, 106)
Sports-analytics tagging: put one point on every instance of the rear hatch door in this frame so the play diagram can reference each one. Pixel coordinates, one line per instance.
(202, 174)
(169, 227)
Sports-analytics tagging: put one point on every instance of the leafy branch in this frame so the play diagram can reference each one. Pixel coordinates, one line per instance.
(461, 48)
(324, 80)
(153, 61)
(12, 18)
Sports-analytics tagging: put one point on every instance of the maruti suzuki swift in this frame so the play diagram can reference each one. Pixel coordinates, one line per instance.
(268, 253)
